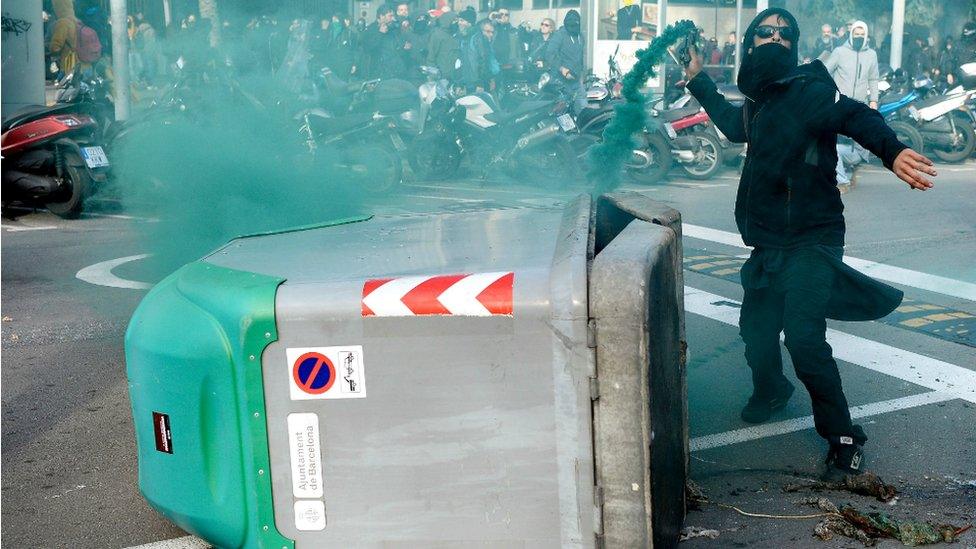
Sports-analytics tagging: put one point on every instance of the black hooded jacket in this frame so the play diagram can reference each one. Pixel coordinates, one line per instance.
(788, 194)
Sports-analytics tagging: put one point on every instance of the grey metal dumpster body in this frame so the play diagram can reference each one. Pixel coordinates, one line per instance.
(474, 379)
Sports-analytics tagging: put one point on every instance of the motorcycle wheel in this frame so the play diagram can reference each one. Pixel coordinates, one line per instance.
(552, 162)
(965, 143)
(708, 159)
(907, 134)
(434, 157)
(660, 160)
(78, 181)
(372, 168)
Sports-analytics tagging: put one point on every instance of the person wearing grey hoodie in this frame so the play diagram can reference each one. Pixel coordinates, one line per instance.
(854, 67)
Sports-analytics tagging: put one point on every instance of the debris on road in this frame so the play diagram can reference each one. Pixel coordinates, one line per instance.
(909, 532)
(869, 527)
(865, 484)
(692, 532)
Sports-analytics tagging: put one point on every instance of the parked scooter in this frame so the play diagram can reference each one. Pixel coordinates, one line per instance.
(945, 123)
(892, 104)
(942, 121)
(688, 119)
(53, 158)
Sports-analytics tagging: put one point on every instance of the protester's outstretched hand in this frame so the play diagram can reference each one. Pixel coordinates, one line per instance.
(909, 167)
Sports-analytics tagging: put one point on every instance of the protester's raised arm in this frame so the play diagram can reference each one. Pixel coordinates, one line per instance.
(726, 116)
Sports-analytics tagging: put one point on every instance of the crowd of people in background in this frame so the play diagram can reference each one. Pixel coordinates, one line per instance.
(478, 53)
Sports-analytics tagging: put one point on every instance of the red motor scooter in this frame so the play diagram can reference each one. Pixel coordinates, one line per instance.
(51, 157)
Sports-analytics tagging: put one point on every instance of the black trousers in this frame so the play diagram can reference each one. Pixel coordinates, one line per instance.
(794, 302)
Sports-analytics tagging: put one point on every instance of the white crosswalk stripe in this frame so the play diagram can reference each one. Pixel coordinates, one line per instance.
(881, 271)
(905, 365)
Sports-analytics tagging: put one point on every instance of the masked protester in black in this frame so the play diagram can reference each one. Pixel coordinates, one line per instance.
(789, 209)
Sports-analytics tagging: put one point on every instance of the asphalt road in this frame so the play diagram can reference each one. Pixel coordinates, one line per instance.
(68, 446)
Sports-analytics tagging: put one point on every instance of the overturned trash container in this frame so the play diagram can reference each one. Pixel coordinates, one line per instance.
(490, 378)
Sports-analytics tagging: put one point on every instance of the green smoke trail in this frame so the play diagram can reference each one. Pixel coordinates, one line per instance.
(231, 162)
(607, 159)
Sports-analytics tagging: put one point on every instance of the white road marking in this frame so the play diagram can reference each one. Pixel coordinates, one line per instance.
(889, 273)
(905, 365)
(798, 424)
(101, 274)
(448, 198)
(696, 185)
(186, 542)
(8, 228)
(120, 216)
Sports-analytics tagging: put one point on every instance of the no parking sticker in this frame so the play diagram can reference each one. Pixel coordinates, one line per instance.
(326, 372)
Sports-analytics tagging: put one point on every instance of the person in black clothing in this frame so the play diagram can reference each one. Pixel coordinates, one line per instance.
(728, 50)
(967, 42)
(505, 37)
(949, 62)
(320, 44)
(344, 45)
(420, 39)
(789, 209)
(920, 62)
(383, 46)
(628, 19)
(537, 48)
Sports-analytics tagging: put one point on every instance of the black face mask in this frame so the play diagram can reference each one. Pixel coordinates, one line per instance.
(572, 27)
(858, 43)
(766, 64)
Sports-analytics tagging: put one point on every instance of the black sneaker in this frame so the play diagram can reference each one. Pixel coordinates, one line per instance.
(845, 456)
(758, 410)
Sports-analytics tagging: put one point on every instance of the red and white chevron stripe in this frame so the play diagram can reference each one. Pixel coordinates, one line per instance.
(481, 294)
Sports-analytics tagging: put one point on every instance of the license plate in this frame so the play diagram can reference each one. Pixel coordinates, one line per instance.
(670, 130)
(94, 157)
(566, 122)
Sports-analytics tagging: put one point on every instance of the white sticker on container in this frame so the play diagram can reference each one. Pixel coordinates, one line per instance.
(306, 455)
(310, 515)
(316, 373)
